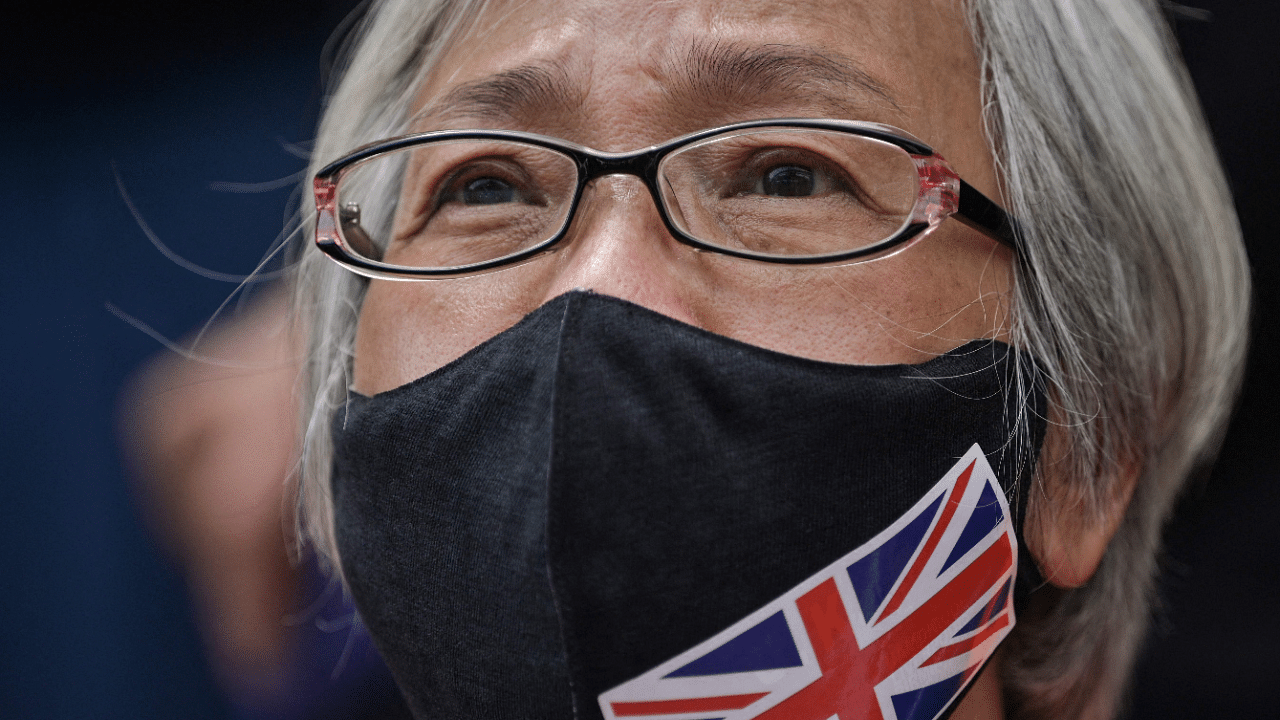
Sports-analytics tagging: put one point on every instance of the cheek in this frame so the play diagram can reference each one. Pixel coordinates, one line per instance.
(957, 285)
(408, 329)
(940, 293)
(943, 291)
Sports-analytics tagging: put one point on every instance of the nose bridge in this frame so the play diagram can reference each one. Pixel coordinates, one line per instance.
(618, 244)
(597, 165)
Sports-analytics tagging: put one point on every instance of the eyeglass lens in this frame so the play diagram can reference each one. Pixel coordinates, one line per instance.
(783, 192)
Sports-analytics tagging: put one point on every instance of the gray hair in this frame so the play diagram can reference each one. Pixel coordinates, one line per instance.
(1134, 296)
(1132, 290)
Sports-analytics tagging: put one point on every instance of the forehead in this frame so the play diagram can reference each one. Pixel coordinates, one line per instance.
(618, 74)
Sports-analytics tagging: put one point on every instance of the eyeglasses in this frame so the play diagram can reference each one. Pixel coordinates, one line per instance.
(803, 192)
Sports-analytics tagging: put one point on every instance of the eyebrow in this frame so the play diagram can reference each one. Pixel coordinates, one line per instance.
(745, 74)
(510, 94)
(709, 76)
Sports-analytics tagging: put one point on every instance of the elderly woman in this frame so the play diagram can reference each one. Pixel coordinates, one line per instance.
(702, 359)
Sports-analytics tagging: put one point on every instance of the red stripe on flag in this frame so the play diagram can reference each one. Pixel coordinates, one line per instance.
(964, 646)
(846, 687)
(670, 707)
(906, 639)
(849, 673)
(947, 511)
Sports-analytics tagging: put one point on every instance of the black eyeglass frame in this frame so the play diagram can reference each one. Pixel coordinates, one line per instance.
(971, 208)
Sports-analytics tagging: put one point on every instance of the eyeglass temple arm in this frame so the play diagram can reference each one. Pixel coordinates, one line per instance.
(980, 213)
(353, 232)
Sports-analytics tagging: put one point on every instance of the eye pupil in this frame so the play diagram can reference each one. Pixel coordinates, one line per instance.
(487, 191)
(788, 181)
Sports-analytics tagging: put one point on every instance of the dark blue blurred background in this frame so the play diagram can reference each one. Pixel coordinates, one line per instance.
(95, 623)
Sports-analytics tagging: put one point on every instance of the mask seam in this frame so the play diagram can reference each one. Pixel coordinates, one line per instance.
(546, 527)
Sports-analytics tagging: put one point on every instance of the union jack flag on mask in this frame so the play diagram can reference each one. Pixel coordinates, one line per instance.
(894, 630)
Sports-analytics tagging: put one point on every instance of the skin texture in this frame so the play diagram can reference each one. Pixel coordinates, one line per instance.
(631, 73)
(626, 68)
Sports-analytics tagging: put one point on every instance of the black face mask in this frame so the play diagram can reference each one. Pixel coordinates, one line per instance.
(606, 512)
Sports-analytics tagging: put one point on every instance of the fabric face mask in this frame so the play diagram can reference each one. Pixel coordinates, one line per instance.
(603, 512)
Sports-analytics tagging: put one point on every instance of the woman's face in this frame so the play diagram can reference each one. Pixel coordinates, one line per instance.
(618, 75)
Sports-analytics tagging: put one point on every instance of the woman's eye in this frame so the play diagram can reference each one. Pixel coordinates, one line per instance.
(788, 181)
(487, 191)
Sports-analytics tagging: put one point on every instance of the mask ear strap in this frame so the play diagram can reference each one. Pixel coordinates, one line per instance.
(1035, 406)
(1029, 578)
